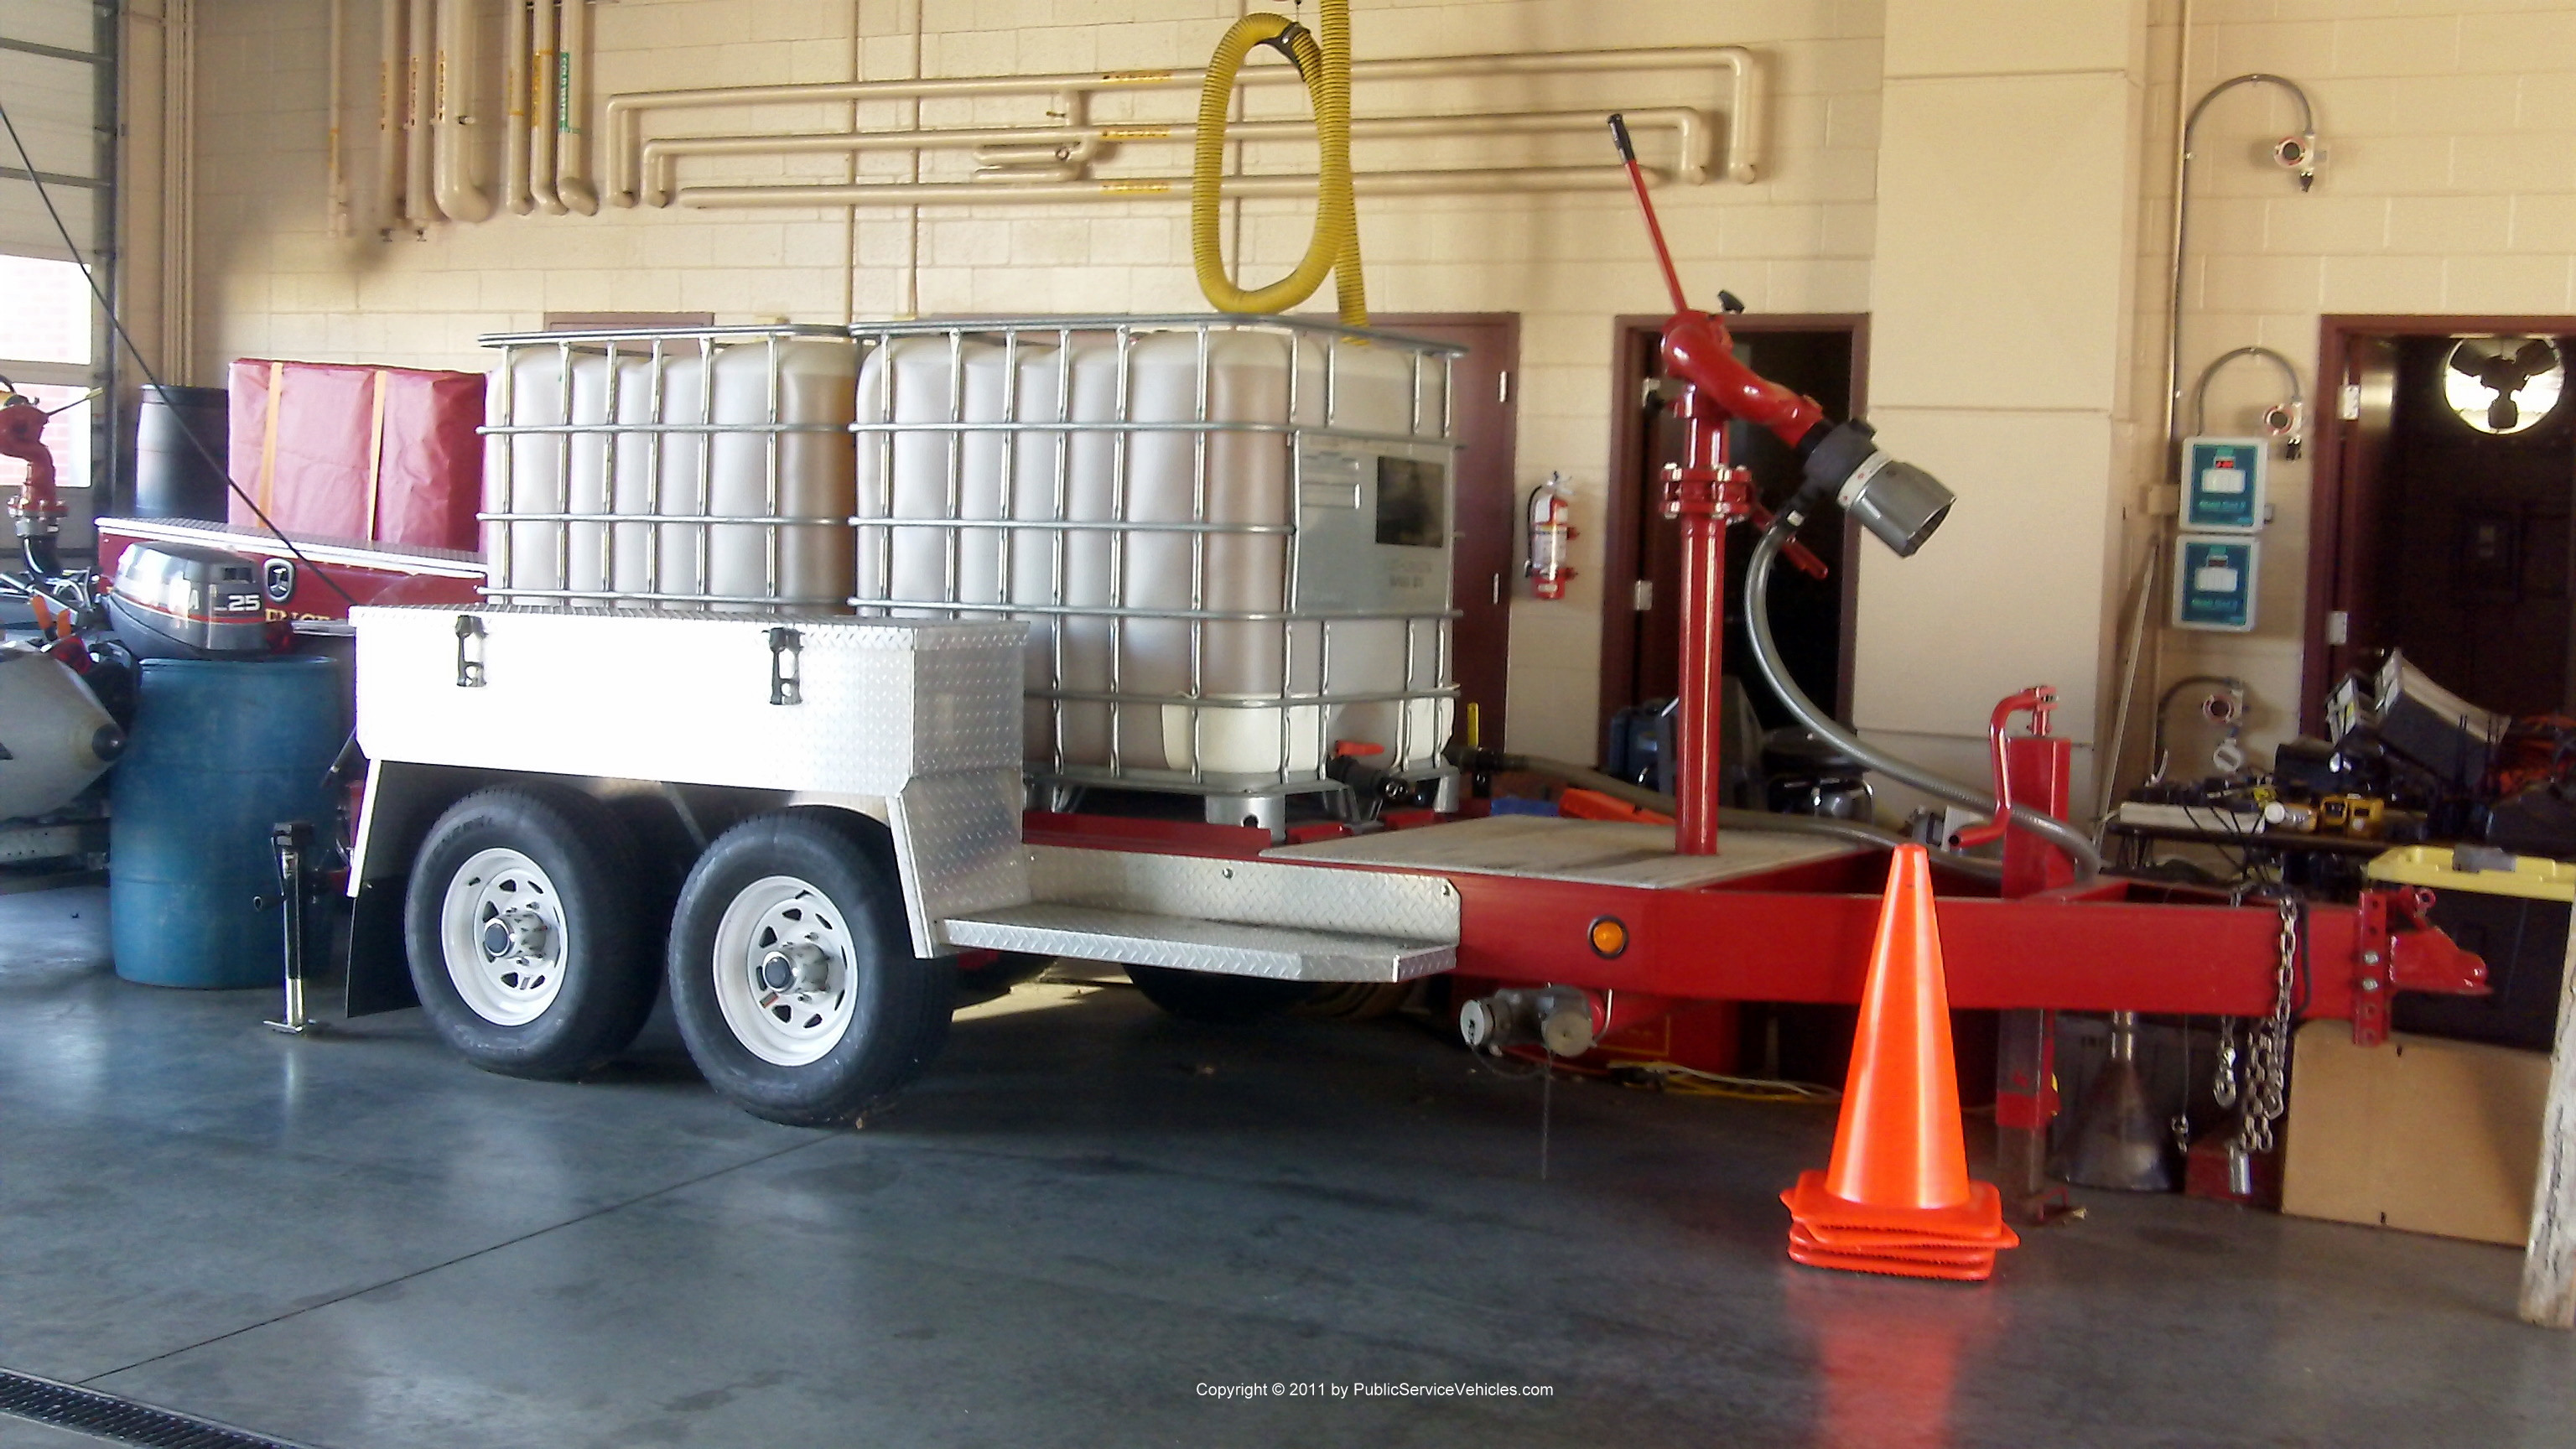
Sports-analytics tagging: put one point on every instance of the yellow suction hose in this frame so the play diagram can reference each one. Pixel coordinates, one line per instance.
(1335, 244)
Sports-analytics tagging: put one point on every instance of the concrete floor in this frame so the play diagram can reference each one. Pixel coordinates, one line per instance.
(1081, 1216)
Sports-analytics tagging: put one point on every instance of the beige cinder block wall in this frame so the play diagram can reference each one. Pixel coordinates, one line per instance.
(273, 282)
(2448, 187)
(2007, 199)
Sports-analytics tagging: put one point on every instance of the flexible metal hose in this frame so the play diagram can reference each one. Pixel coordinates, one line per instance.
(1766, 658)
(1334, 246)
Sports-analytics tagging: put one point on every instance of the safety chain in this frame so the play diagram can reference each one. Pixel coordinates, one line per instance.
(2222, 1088)
(2268, 1045)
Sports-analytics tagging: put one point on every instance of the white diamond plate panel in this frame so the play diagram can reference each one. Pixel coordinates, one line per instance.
(957, 841)
(686, 697)
(1097, 934)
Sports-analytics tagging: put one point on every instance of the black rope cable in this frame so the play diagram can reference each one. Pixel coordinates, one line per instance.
(117, 325)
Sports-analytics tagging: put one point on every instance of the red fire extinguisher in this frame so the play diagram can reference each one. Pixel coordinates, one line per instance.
(1551, 528)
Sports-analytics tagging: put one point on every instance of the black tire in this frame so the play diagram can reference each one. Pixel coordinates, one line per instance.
(1216, 999)
(601, 985)
(876, 1014)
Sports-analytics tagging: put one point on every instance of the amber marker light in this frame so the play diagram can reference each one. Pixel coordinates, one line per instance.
(1609, 936)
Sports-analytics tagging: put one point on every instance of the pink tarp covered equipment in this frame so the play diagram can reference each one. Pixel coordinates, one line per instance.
(372, 454)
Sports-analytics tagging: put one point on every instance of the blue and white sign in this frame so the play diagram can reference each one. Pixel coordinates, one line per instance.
(2223, 484)
(2214, 583)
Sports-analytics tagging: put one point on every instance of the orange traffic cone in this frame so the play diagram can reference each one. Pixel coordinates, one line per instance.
(1896, 1197)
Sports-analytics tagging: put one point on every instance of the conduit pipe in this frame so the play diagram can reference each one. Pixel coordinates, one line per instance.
(1012, 155)
(545, 98)
(452, 82)
(572, 107)
(392, 84)
(2181, 237)
(933, 193)
(624, 114)
(336, 188)
(2151, 567)
(2298, 404)
(515, 81)
(1693, 142)
(418, 206)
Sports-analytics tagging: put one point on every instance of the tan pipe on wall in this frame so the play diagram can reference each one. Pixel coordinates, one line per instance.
(392, 86)
(545, 95)
(335, 192)
(1382, 183)
(1066, 145)
(453, 69)
(624, 114)
(514, 108)
(418, 207)
(572, 159)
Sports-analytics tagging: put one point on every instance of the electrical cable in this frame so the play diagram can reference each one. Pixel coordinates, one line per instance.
(1681, 1081)
(2243, 861)
(1766, 659)
(117, 325)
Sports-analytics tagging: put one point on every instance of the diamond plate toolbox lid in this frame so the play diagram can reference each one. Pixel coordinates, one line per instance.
(842, 705)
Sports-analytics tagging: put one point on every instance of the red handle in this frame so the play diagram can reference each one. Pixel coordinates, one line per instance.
(2039, 700)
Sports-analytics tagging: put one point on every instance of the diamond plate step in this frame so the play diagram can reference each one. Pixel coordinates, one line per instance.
(1139, 938)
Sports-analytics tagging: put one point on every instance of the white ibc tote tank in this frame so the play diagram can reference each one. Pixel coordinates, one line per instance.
(1072, 472)
(717, 462)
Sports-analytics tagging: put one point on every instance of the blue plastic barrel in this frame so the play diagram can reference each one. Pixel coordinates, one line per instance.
(221, 751)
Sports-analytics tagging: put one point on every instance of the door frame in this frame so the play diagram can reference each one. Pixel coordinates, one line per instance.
(1509, 324)
(2334, 544)
(1633, 345)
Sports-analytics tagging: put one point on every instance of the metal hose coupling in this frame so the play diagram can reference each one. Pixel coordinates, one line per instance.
(1896, 501)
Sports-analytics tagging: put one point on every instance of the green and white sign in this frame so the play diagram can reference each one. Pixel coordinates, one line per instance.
(2223, 484)
(2214, 583)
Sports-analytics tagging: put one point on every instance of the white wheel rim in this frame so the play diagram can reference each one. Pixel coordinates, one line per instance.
(502, 925)
(783, 971)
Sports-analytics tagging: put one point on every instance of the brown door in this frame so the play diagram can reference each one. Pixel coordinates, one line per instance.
(2366, 414)
(1484, 534)
(2431, 536)
(1641, 628)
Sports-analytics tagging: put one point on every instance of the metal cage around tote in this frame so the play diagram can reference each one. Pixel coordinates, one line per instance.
(1229, 535)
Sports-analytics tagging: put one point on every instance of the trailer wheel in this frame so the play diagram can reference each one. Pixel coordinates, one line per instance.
(1217, 999)
(791, 970)
(520, 923)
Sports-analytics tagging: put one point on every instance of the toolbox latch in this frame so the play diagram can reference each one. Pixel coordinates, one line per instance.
(469, 652)
(786, 667)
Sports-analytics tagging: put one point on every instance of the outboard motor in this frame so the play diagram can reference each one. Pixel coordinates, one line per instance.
(182, 601)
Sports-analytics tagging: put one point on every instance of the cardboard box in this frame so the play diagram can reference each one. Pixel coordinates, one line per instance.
(2424, 1134)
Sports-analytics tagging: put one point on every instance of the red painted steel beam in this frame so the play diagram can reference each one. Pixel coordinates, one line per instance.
(1803, 934)
(1997, 954)
(1139, 833)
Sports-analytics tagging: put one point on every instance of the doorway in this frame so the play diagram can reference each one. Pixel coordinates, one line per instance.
(1482, 408)
(1820, 355)
(2443, 494)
